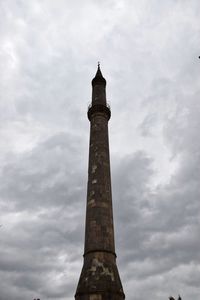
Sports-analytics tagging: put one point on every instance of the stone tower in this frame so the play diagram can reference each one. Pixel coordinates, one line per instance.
(99, 279)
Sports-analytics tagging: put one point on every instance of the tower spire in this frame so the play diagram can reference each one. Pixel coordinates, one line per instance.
(99, 279)
(98, 79)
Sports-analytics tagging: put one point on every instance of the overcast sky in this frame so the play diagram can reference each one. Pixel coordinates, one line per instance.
(148, 51)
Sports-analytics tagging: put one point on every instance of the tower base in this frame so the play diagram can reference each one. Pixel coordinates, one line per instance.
(99, 279)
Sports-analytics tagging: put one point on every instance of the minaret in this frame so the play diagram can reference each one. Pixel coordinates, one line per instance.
(99, 279)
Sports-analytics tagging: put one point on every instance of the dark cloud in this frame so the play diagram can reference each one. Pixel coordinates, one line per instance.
(149, 56)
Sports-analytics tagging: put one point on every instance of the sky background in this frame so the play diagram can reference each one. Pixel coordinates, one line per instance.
(148, 51)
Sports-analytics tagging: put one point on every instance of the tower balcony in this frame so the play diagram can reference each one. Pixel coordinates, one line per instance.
(99, 108)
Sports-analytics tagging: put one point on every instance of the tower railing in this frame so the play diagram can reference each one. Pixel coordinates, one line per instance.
(90, 104)
(99, 108)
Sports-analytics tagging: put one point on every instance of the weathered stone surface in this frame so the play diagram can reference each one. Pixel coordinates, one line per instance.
(99, 279)
(100, 274)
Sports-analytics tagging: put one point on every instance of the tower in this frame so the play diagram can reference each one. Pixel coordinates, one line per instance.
(99, 279)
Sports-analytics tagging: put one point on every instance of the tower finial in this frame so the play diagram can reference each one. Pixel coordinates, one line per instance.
(98, 79)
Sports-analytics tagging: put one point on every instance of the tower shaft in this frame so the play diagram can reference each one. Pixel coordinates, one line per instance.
(99, 279)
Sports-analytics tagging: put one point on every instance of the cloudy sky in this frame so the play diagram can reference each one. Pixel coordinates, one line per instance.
(148, 51)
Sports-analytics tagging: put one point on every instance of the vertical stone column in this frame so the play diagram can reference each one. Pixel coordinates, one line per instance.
(99, 279)
(99, 233)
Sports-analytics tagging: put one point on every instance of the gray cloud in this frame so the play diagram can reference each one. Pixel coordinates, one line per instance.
(48, 55)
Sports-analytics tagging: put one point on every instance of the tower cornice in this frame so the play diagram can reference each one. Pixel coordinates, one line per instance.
(103, 109)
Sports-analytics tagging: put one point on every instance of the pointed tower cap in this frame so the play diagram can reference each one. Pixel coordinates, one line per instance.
(98, 79)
